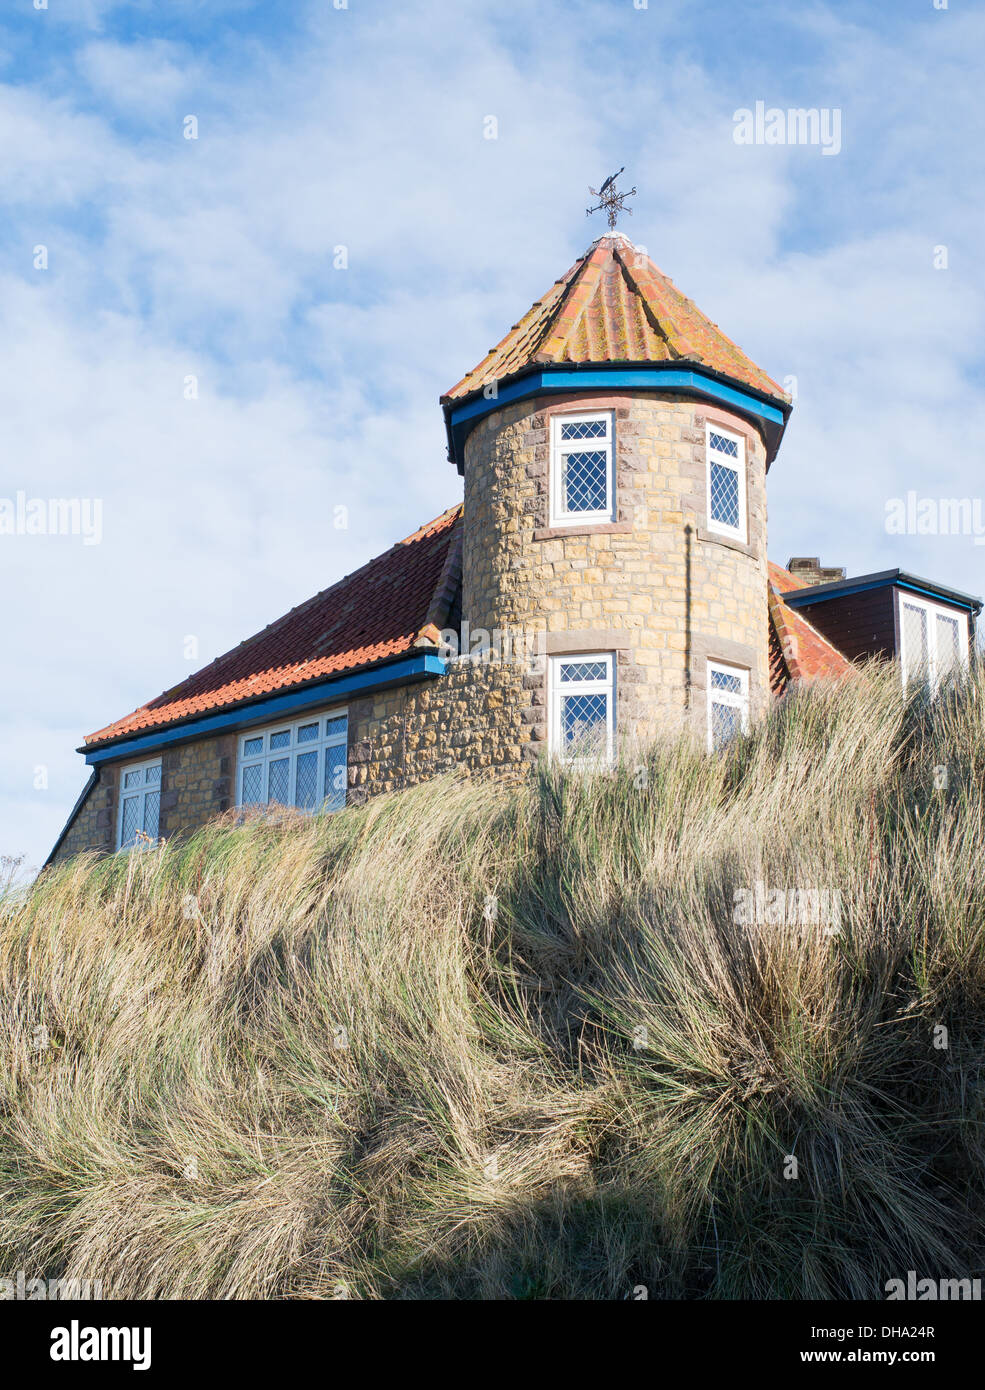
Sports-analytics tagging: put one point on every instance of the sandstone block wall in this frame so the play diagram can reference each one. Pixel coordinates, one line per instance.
(94, 826)
(656, 584)
(198, 780)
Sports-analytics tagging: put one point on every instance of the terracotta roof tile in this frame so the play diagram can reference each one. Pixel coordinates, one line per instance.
(797, 651)
(389, 607)
(614, 305)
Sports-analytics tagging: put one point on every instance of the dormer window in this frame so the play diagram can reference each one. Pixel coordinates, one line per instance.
(726, 482)
(582, 471)
(933, 641)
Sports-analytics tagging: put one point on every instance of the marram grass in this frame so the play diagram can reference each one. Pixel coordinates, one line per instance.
(480, 1041)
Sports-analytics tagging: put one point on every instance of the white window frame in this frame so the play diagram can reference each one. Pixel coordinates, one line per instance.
(248, 757)
(559, 452)
(558, 690)
(740, 532)
(734, 700)
(142, 791)
(904, 597)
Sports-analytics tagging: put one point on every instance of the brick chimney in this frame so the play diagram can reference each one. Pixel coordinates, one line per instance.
(809, 570)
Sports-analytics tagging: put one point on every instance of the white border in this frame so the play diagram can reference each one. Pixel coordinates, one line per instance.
(140, 791)
(556, 690)
(740, 532)
(904, 597)
(727, 697)
(578, 446)
(291, 727)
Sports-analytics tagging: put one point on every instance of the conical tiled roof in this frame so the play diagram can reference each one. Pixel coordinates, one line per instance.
(614, 305)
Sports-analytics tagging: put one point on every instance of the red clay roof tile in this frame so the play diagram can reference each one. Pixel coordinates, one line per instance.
(389, 607)
(614, 305)
(797, 651)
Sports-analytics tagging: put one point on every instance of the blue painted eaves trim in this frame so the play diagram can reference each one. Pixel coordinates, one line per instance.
(942, 596)
(410, 668)
(463, 418)
(804, 598)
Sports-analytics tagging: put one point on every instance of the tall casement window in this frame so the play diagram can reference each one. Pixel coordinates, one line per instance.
(726, 455)
(301, 764)
(933, 641)
(582, 468)
(583, 707)
(139, 815)
(728, 703)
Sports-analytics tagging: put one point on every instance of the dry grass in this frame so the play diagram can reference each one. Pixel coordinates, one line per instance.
(303, 1060)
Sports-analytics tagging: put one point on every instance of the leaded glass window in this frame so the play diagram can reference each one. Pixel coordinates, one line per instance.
(728, 703)
(726, 483)
(582, 469)
(139, 817)
(933, 640)
(302, 764)
(583, 708)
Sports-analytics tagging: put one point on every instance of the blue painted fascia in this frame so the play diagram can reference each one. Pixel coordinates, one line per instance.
(935, 594)
(274, 707)
(807, 599)
(463, 418)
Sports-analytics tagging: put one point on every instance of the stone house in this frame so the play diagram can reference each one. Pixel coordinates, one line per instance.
(604, 577)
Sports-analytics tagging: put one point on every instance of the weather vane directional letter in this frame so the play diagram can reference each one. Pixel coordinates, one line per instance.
(613, 202)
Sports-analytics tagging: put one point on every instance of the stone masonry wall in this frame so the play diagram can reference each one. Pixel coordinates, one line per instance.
(94, 826)
(655, 585)
(484, 718)
(198, 780)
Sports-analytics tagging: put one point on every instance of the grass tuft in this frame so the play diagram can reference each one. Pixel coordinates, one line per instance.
(481, 1041)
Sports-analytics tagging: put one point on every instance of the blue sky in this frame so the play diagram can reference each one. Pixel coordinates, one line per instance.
(318, 387)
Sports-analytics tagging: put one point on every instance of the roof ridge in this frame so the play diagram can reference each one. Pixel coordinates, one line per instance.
(787, 637)
(648, 309)
(429, 526)
(786, 620)
(557, 291)
(449, 581)
(686, 299)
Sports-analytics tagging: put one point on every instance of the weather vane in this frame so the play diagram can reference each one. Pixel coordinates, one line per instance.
(613, 202)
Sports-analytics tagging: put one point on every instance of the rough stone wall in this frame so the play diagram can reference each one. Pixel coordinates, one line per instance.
(656, 584)
(198, 780)
(94, 826)
(483, 717)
